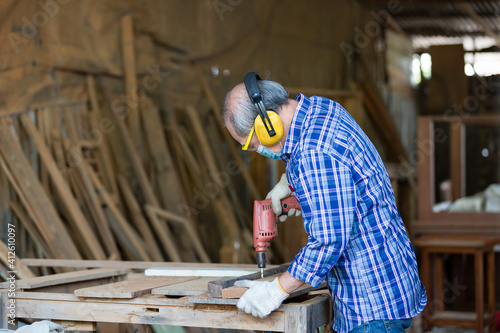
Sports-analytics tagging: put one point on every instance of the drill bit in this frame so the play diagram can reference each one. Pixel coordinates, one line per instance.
(262, 272)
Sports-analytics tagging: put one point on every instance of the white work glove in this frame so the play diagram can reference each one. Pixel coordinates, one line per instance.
(278, 193)
(262, 297)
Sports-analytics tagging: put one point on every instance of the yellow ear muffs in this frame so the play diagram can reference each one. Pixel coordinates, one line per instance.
(261, 131)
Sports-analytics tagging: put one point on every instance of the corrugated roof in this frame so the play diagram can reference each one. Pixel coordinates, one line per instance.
(445, 22)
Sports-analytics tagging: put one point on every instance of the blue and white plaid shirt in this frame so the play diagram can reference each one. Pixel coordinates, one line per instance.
(357, 240)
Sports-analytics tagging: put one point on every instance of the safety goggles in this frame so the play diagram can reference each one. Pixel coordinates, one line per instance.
(245, 147)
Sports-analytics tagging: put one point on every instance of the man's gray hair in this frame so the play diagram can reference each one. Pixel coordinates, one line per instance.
(244, 112)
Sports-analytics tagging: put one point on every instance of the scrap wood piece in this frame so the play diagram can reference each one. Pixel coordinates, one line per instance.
(205, 299)
(129, 288)
(215, 287)
(70, 277)
(63, 190)
(48, 222)
(237, 292)
(194, 287)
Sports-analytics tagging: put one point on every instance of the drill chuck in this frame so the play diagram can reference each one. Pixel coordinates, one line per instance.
(261, 259)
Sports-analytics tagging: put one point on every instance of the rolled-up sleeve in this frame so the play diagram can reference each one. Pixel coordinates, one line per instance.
(326, 192)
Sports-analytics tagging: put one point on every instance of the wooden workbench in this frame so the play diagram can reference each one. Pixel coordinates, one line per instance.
(121, 293)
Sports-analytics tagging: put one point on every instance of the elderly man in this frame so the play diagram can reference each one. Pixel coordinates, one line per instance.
(357, 240)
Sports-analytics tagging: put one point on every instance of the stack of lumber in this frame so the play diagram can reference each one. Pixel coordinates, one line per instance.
(115, 177)
(87, 182)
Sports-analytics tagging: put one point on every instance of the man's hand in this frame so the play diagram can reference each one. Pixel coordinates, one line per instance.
(261, 298)
(278, 193)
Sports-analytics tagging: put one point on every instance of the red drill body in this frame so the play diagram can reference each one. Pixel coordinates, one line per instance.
(265, 225)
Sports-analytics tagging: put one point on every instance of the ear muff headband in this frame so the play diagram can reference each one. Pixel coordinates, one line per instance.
(265, 127)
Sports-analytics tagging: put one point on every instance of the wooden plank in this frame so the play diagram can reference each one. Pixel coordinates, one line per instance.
(194, 287)
(98, 123)
(129, 288)
(50, 225)
(140, 222)
(36, 262)
(308, 315)
(12, 261)
(128, 54)
(236, 292)
(163, 232)
(211, 316)
(199, 272)
(30, 227)
(63, 190)
(166, 179)
(63, 278)
(215, 287)
(80, 326)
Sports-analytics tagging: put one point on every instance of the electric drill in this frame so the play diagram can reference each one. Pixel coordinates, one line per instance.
(265, 226)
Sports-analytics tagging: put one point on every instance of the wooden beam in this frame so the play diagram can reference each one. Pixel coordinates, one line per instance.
(425, 171)
(143, 313)
(457, 159)
(128, 56)
(50, 225)
(129, 288)
(63, 278)
(96, 120)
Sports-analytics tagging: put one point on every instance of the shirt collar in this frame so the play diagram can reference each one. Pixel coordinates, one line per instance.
(293, 135)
